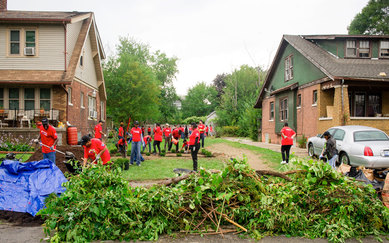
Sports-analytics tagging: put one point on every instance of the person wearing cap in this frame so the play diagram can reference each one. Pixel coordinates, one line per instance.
(167, 133)
(329, 149)
(49, 139)
(194, 144)
(95, 150)
(287, 136)
(99, 130)
(136, 134)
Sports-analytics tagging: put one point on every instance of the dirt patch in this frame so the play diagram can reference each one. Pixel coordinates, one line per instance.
(228, 152)
(78, 151)
(20, 219)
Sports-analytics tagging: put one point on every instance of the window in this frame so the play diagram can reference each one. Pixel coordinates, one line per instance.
(13, 98)
(15, 42)
(82, 100)
(30, 38)
(298, 100)
(102, 110)
(370, 136)
(29, 99)
(1, 98)
(351, 49)
(314, 97)
(45, 99)
(364, 49)
(339, 134)
(384, 49)
(288, 68)
(358, 48)
(271, 111)
(70, 96)
(373, 105)
(284, 109)
(92, 107)
(365, 104)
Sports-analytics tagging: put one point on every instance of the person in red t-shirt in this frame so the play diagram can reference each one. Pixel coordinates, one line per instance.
(176, 135)
(147, 141)
(202, 133)
(287, 136)
(149, 131)
(185, 146)
(121, 144)
(194, 144)
(157, 138)
(49, 138)
(99, 130)
(95, 150)
(206, 130)
(136, 134)
(167, 133)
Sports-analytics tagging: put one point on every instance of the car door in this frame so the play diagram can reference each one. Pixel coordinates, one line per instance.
(319, 145)
(339, 137)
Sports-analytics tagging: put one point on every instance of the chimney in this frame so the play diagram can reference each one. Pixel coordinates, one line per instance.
(3, 5)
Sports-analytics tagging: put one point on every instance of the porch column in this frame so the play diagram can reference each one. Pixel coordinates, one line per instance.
(341, 114)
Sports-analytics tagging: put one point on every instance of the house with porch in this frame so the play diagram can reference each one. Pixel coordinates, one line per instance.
(50, 66)
(319, 81)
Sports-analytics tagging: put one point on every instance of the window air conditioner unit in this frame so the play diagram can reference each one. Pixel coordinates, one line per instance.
(29, 51)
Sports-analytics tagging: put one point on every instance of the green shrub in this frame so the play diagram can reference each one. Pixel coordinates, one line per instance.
(182, 151)
(147, 153)
(173, 150)
(113, 150)
(230, 131)
(163, 151)
(206, 152)
(118, 154)
(178, 154)
(302, 141)
(120, 163)
(163, 154)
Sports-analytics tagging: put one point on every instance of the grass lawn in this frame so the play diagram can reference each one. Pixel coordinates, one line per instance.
(163, 167)
(18, 156)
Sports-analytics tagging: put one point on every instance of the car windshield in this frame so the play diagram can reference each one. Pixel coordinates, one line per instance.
(370, 136)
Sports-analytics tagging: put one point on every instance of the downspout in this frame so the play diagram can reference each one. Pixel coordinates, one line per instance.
(65, 30)
(67, 103)
(342, 94)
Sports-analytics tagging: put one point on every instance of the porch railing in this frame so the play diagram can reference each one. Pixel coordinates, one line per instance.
(23, 118)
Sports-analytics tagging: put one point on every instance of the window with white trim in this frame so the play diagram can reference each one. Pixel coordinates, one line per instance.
(384, 49)
(13, 98)
(29, 99)
(14, 42)
(314, 97)
(82, 100)
(102, 111)
(45, 98)
(355, 48)
(288, 68)
(92, 107)
(271, 111)
(351, 48)
(364, 49)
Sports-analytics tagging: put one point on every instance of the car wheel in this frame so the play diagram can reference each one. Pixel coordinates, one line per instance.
(311, 151)
(343, 158)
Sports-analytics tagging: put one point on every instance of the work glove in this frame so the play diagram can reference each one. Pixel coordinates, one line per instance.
(321, 157)
(35, 141)
(52, 148)
(194, 148)
(97, 157)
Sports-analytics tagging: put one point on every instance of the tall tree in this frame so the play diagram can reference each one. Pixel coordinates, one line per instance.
(139, 82)
(200, 100)
(219, 83)
(373, 20)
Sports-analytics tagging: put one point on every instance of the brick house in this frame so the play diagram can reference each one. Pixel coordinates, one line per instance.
(50, 66)
(319, 81)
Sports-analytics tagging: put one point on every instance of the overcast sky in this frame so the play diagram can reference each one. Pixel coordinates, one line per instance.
(209, 37)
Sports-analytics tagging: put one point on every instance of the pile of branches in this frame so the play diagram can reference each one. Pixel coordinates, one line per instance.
(311, 201)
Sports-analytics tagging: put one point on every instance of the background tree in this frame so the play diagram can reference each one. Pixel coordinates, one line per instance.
(139, 82)
(372, 20)
(219, 83)
(200, 100)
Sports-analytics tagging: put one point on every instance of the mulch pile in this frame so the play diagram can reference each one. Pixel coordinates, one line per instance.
(60, 158)
(26, 219)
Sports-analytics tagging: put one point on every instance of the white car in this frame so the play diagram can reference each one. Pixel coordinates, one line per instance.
(357, 145)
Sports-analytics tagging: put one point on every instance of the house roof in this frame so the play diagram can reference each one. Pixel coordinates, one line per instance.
(13, 16)
(331, 65)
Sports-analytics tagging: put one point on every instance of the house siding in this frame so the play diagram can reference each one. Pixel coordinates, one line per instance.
(87, 73)
(49, 52)
(72, 32)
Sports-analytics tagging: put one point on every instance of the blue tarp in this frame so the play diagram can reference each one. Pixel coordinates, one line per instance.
(25, 186)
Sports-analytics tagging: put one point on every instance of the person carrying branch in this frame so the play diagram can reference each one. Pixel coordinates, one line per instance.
(49, 138)
(194, 144)
(94, 149)
(329, 150)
